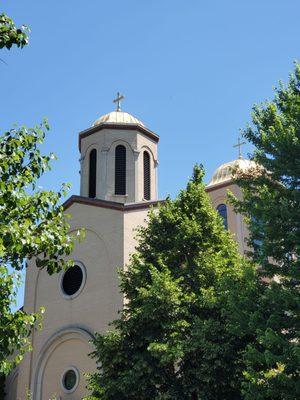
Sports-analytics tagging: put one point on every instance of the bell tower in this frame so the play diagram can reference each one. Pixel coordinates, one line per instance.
(118, 159)
(118, 186)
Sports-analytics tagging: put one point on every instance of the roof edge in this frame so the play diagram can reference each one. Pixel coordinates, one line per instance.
(119, 125)
(110, 204)
(214, 186)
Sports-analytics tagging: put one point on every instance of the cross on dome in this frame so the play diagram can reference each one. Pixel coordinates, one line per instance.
(239, 146)
(118, 100)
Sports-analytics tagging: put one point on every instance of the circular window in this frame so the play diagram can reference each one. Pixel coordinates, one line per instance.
(73, 280)
(70, 379)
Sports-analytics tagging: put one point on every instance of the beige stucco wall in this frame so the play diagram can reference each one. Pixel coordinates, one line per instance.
(70, 323)
(132, 220)
(101, 253)
(236, 223)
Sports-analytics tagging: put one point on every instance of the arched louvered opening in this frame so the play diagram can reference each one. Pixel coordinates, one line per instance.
(147, 177)
(92, 173)
(120, 170)
(222, 210)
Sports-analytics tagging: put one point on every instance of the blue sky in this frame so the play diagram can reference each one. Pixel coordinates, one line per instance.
(190, 70)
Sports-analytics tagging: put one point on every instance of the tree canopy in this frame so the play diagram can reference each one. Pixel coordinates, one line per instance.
(175, 338)
(32, 224)
(32, 221)
(271, 206)
(10, 35)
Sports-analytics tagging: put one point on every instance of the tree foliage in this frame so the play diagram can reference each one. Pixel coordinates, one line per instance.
(11, 35)
(15, 327)
(175, 338)
(32, 224)
(272, 207)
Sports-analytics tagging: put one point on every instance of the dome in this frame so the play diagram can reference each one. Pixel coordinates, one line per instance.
(117, 117)
(224, 172)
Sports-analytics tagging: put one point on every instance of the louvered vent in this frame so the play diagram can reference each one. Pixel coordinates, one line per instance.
(72, 280)
(92, 173)
(120, 170)
(147, 180)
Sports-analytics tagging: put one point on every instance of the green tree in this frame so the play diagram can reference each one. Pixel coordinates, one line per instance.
(175, 338)
(32, 221)
(11, 35)
(271, 206)
(32, 224)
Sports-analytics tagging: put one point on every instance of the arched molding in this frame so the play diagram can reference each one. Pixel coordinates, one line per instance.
(91, 147)
(36, 283)
(58, 338)
(147, 148)
(220, 200)
(86, 159)
(117, 142)
(153, 173)
(121, 170)
(85, 168)
(73, 230)
(130, 172)
(88, 228)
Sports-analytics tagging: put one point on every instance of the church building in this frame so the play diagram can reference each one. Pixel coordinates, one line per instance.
(118, 172)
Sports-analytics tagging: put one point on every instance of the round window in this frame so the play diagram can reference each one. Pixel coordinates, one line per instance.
(70, 380)
(73, 280)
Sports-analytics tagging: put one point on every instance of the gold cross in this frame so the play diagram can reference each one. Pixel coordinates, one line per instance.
(239, 145)
(118, 100)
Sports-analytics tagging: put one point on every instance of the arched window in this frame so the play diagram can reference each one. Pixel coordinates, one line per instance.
(147, 176)
(92, 173)
(120, 170)
(222, 210)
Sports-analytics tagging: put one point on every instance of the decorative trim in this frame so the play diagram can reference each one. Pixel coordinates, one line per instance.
(121, 142)
(89, 149)
(110, 204)
(119, 126)
(66, 333)
(218, 200)
(136, 153)
(218, 186)
(147, 148)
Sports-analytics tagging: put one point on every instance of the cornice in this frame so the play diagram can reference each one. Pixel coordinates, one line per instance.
(110, 204)
(218, 186)
(120, 126)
